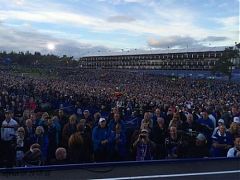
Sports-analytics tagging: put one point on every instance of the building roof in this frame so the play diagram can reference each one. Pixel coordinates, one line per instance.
(160, 51)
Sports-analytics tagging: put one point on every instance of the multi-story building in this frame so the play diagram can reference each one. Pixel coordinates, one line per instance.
(177, 59)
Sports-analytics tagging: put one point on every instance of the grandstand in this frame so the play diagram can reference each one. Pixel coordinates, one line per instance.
(201, 59)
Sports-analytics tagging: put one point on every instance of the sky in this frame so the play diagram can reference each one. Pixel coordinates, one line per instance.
(82, 27)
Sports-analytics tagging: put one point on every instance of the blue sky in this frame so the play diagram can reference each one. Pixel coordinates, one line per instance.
(80, 27)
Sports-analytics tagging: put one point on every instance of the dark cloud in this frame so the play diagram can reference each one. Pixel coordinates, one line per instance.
(29, 40)
(182, 41)
(120, 19)
(215, 38)
(174, 42)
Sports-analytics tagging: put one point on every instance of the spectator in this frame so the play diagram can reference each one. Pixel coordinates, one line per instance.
(147, 118)
(29, 134)
(100, 140)
(176, 121)
(235, 151)
(80, 146)
(20, 146)
(222, 141)
(158, 137)
(190, 125)
(76, 148)
(144, 147)
(220, 122)
(69, 129)
(199, 149)
(52, 139)
(60, 157)
(235, 128)
(174, 144)
(8, 131)
(117, 143)
(42, 139)
(117, 120)
(206, 125)
(87, 117)
(33, 156)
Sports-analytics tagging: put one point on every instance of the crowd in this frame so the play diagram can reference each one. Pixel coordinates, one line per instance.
(106, 115)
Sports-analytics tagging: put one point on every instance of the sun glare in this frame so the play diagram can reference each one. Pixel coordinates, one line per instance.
(51, 46)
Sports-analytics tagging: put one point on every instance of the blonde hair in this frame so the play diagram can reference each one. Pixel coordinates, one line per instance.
(73, 117)
(232, 130)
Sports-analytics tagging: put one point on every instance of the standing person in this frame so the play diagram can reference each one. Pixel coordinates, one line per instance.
(222, 142)
(42, 139)
(158, 137)
(88, 118)
(206, 126)
(235, 128)
(117, 143)
(116, 120)
(8, 131)
(62, 119)
(100, 138)
(68, 130)
(147, 118)
(52, 139)
(144, 147)
(80, 145)
(190, 125)
(29, 134)
(174, 144)
(20, 150)
(199, 148)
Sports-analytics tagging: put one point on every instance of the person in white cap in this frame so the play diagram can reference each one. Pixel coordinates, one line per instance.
(220, 122)
(100, 140)
(236, 120)
(221, 142)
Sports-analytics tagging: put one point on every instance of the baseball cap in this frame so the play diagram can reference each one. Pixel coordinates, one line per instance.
(236, 120)
(102, 119)
(144, 131)
(221, 121)
(201, 137)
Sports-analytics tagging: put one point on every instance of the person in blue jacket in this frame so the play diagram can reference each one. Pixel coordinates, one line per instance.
(42, 139)
(117, 144)
(222, 142)
(100, 138)
(116, 120)
(206, 126)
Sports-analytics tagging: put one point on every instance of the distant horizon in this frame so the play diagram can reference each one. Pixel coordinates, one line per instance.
(81, 27)
(134, 51)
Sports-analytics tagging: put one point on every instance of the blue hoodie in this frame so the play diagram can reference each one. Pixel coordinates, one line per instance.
(99, 134)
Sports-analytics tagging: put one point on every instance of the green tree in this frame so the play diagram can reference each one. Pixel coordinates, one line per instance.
(224, 64)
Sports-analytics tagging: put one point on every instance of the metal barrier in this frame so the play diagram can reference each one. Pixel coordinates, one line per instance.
(209, 168)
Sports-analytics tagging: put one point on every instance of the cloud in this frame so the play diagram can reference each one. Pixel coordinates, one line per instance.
(29, 40)
(120, 19)
(123, 1)
(173, 42)
(173, 23)
(228, 21)
(215, 38)
(50, 17)
(18, 2)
